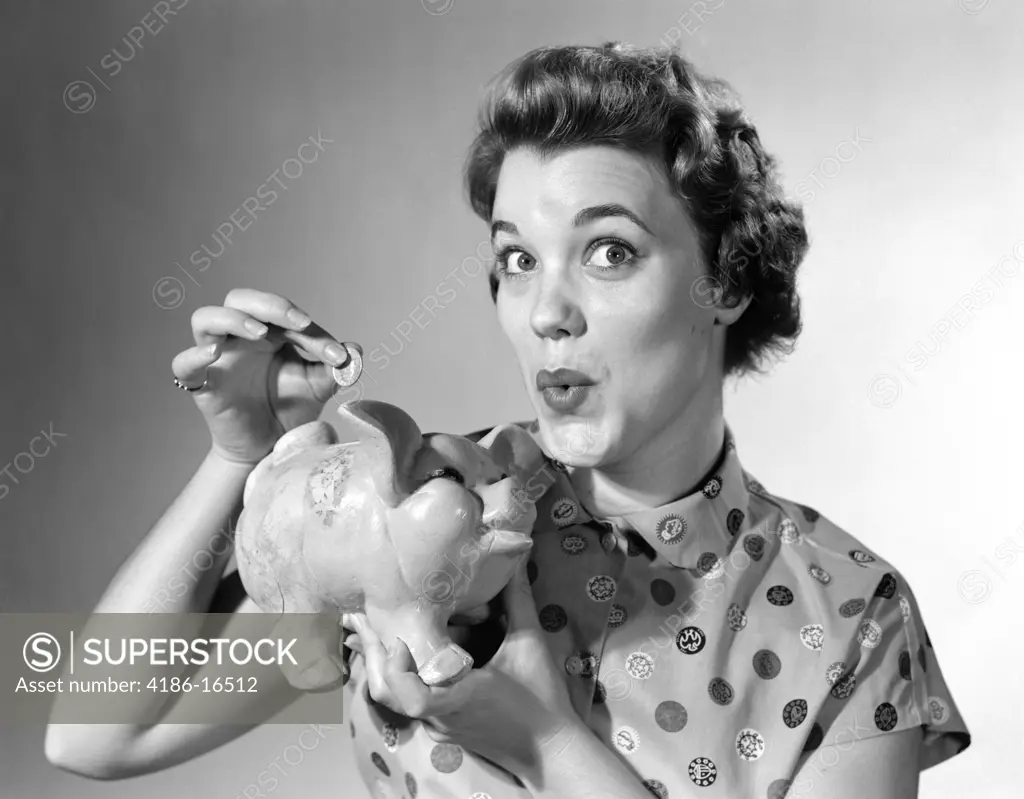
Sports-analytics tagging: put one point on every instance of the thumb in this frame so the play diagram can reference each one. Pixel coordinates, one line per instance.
(518, 597)
(321, 380)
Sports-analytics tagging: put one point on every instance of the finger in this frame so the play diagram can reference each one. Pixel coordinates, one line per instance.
(375, 662)
(400, 659)
(318, 344)
(353, 642)
(320, 377)
(268, 307)
(436, 735)
(307, 336)
(415, 698)
(518, 597)
(316, 663)
(190, 365)
(472, 616)
(211, 323)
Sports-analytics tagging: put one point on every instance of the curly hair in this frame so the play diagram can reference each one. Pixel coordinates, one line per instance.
(652, 101)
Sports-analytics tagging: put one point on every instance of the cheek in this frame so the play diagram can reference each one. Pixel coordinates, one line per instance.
(659, 340)
(514, 318)
(509, 312)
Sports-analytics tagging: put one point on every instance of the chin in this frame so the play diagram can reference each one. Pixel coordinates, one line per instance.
(582, 443)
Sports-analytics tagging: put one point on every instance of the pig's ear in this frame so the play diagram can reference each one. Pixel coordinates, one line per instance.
(311, 434)
(512, 446)
(392, 439)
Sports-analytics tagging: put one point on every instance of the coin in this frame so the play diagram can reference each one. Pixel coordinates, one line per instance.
(348, 374)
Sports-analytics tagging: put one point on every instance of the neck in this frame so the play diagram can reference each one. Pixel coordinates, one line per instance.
(671, 465)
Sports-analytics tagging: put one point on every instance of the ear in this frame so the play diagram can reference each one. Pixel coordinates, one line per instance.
(511, 446)
(728, 314)
(391, 438)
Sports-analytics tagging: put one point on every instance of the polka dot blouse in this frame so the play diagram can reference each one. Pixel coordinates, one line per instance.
(710, 642)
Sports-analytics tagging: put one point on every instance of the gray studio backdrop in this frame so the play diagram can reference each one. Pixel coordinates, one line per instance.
(128, 143)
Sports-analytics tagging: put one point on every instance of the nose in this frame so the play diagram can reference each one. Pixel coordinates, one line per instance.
(556, 311)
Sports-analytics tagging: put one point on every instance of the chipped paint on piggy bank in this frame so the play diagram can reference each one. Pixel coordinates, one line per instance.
(397, 530)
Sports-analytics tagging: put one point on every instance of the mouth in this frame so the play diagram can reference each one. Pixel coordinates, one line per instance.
(562, 379)
(564, 390)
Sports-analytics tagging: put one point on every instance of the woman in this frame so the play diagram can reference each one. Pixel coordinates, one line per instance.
(678, 630)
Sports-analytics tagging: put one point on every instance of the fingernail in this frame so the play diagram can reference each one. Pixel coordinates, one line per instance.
(447, 667)
(297, 317)
(254, 327)
(336, 353)
(213, 349)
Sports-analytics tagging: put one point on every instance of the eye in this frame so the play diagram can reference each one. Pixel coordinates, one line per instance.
(450, 473)
(610, 254)
(512, 261)
(447, 473)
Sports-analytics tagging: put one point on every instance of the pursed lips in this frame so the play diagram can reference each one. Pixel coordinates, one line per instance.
(561, 377)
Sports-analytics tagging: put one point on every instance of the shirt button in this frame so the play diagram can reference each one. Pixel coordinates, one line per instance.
(582, 664)
(607, 531)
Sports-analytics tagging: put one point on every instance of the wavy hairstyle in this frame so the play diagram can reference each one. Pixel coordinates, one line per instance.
(652, 101)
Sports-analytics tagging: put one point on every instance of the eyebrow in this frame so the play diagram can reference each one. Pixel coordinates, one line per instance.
(582, 217)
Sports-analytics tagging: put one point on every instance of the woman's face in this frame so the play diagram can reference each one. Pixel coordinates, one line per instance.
(600, 273)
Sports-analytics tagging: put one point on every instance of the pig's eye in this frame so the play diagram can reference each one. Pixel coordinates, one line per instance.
(448, 473)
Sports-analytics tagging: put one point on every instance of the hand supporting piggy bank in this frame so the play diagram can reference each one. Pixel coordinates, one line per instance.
(397, 530)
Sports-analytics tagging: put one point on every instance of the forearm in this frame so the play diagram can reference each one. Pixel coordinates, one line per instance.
(168, 573)
(580, 765)
(178, 565)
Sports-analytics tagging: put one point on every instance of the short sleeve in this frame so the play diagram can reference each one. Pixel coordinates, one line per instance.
(890, 679)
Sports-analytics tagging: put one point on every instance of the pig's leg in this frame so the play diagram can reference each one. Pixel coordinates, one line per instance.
(423, 626)
(317, 649)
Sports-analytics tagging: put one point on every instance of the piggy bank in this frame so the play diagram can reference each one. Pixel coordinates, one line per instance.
(397, 530)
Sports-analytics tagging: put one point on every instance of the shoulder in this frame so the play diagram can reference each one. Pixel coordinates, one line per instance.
(863, 599)
(857, 590)
(808, 535)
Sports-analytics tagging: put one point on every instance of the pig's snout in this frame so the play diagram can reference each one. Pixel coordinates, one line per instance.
(507, 506)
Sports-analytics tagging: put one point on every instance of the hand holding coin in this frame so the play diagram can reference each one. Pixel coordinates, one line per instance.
(348, 374)
(261, 366)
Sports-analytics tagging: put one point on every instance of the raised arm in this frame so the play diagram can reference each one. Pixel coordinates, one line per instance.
(264, 366)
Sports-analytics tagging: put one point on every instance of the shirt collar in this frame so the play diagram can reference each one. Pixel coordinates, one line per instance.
(692, 532)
